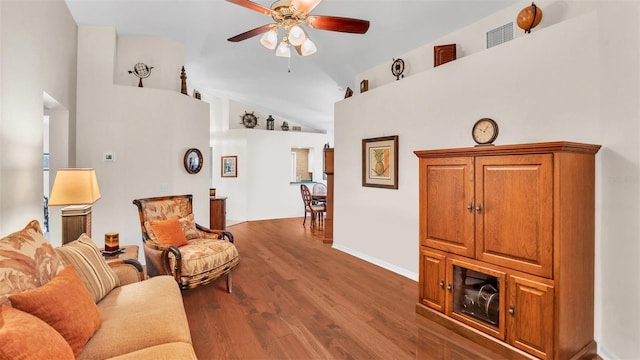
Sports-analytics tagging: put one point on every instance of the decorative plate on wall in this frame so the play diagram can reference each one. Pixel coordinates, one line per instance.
(193, 161)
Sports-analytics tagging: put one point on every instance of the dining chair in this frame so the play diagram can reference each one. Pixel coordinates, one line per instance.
(319, 193)
(309, 207)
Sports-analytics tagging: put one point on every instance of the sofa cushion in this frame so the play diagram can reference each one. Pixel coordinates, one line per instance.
(86, 259)
(138, 316)
(168, 351)
(24, 336)
(66, 305)
(204, 255)
(168, 232)
(27, 261)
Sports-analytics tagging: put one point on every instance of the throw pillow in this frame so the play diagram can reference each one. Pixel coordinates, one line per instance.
(27, 261)
(66, 305)
(168, 232)
(89, 263)
(188, 225)
(24, 336)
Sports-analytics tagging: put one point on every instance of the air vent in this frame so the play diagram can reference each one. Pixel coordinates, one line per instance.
(500, 35)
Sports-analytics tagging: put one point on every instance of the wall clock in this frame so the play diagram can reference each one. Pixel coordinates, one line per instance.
(249, 120)
(485, 131)
(193, 161)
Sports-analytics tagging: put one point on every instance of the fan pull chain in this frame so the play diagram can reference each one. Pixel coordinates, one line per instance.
(289, 65)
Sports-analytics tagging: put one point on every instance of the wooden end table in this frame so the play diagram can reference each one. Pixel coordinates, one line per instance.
(130, 252)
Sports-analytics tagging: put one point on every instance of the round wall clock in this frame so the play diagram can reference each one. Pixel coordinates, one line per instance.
(397, 68)
(193, 161)
(485, 131)
(249, 120)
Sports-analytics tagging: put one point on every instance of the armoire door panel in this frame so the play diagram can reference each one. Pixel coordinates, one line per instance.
(514, 223)
(432, 291)
(449, 194)
(530, 324)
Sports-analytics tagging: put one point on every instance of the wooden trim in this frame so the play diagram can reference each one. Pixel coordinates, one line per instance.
(515, 149)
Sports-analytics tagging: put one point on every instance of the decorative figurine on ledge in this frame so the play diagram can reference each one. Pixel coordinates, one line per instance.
(529, 17)
(270, 122)
(183, 77)
(285, 126)
(141, 71)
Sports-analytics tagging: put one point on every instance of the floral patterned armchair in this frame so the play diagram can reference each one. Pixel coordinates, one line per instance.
(208, 254)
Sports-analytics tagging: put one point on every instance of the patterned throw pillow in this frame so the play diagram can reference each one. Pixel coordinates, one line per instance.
(27, 261)
(188, 225)
(94, 271)
(66, 305)
(24, 336)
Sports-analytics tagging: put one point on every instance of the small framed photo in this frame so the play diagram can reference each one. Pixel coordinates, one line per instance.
(380, 162)
(229, 166)
(364, 85)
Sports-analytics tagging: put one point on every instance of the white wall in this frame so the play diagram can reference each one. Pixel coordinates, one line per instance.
(37, 53)
(262, 189)
(148, 130)
(576, 79)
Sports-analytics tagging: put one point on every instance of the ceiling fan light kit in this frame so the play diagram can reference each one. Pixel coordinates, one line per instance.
(290, 15)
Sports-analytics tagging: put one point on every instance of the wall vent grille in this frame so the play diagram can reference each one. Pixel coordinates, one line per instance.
(500, 35)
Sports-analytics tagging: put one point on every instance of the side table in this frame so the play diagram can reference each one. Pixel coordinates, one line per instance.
(129, 256)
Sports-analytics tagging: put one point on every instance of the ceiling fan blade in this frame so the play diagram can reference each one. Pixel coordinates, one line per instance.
(253, 6)
(305, 5)
(334, 23)
(251, 33)
(299, 49)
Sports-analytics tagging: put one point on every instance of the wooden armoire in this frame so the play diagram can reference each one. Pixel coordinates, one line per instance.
(507, 246)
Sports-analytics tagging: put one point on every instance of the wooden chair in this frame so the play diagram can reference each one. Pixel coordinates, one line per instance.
(310, 207)
(209, 254)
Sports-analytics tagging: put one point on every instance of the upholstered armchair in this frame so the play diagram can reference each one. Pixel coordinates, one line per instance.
(204, 255)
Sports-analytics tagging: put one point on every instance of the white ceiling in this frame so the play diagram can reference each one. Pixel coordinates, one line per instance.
(248, 73)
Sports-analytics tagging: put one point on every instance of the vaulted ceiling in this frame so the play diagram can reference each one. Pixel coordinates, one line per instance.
(251, 74)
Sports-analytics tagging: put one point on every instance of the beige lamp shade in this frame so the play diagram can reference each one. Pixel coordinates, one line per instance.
(74, 187)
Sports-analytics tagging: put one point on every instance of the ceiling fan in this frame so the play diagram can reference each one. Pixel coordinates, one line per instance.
(290, 15)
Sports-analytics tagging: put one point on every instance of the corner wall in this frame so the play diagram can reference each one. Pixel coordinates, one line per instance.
(561, 82)
(147, 129)
(38, 47)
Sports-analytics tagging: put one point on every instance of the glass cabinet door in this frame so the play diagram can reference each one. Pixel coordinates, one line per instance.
(477, 296)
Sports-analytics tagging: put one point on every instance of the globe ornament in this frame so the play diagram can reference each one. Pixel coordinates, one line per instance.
(141, 71)
(529, 17)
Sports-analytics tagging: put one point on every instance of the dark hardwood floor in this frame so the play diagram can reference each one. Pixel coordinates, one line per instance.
(297, 298)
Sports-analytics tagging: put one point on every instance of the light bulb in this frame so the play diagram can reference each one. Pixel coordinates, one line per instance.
(283, 50)
(308, 48)
(296, 35)
(269, 39)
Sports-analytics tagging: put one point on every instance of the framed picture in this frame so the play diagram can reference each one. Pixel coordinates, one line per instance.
(364, 85)
(229, 166)
(380, 162)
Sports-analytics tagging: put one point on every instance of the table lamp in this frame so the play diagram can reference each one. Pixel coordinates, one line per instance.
(76, 189)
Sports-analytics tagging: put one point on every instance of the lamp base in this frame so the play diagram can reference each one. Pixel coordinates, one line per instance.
(76, 219)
